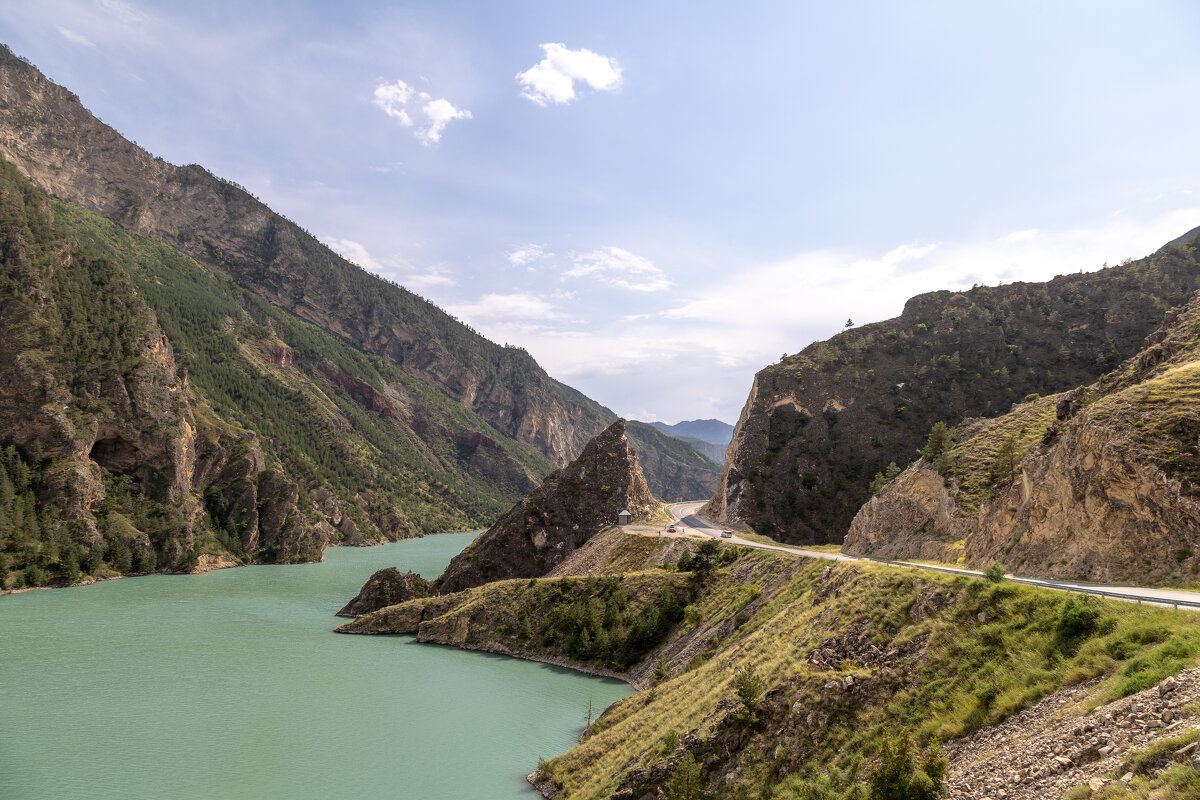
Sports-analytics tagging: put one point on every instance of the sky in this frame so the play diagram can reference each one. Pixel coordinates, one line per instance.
(657, 200)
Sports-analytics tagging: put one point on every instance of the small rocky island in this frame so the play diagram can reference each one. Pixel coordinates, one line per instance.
(537, 534)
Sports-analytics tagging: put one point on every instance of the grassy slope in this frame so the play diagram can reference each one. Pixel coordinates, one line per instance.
(941, 656)
(949, 672)
(224, 335)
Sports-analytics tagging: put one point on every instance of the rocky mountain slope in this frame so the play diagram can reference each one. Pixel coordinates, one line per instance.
(547, 525)
(818, 425)
(676, 469)
(374, 432)
(111, 462)
(51, 138)
(1100, 483)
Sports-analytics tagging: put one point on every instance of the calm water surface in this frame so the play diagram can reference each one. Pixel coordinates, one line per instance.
(230, 685)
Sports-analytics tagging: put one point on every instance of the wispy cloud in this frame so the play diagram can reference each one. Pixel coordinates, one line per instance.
(429, 280)
(516, 312)
(553, 79)
(1018, 236)
(528, 254)
(354, 252)
(394, 99)
(73, 37)
(392, 269)
(619, 268)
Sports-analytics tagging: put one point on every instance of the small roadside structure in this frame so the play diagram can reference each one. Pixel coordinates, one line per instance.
(624, 518)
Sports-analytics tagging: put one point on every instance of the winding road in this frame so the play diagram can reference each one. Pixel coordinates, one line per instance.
(686, 516)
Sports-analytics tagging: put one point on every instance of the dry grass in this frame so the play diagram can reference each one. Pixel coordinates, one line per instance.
(971, 458)
(968, 674)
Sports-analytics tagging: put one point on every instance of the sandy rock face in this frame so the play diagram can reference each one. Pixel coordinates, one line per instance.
(1106, 495)
(558, 517)
(916, 518)
(1089, 509)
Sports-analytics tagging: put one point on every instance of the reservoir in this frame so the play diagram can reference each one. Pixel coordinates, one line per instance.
(231, 685)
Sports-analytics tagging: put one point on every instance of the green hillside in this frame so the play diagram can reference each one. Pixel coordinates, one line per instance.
(333, 415)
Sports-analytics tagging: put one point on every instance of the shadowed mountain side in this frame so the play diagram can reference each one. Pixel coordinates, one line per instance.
(818, 425)
(1099, 483)
(572, 505)
(110, 462)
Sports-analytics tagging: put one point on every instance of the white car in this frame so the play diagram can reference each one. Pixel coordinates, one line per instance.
(670, 529)
(726, 534)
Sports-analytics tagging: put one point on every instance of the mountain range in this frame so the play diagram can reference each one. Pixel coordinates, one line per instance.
(310, 402)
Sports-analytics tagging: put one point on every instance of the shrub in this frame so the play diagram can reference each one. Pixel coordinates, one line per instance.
(902, 774)
(750, 688)
(685, 783)
(994, 572)
(1078, 618)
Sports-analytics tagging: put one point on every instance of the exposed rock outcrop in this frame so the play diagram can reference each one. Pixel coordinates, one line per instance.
(819, 424)
(1107, 488)
(558, 517)
(1053, 746)
(386, 587)
(92, 397)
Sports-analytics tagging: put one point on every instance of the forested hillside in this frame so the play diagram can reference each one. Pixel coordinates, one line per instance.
(109, 461)
(52, 139)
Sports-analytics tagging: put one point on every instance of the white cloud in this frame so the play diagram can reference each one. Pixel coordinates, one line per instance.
(1018, 236)
(528, 254)
(440, 112)
(552, 80)
(394, 99)
(428, 280)
(354, 252)
(73, 37)
(493, 311)
(619, 268)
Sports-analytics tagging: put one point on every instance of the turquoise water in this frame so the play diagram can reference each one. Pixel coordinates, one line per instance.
(230, 685)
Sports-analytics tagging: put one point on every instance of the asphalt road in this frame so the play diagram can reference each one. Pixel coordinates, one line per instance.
(686, 516)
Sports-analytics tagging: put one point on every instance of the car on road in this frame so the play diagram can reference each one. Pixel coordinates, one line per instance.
(726, 534)
(670, 529)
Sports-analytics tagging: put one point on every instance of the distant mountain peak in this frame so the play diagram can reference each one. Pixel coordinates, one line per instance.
(713, 431)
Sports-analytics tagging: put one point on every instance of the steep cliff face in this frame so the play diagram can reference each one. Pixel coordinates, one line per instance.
(819, 424)
(558, 517)
(102, 430)
(1101, 483)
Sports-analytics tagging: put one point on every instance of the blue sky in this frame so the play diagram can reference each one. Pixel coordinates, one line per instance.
(659, 199)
